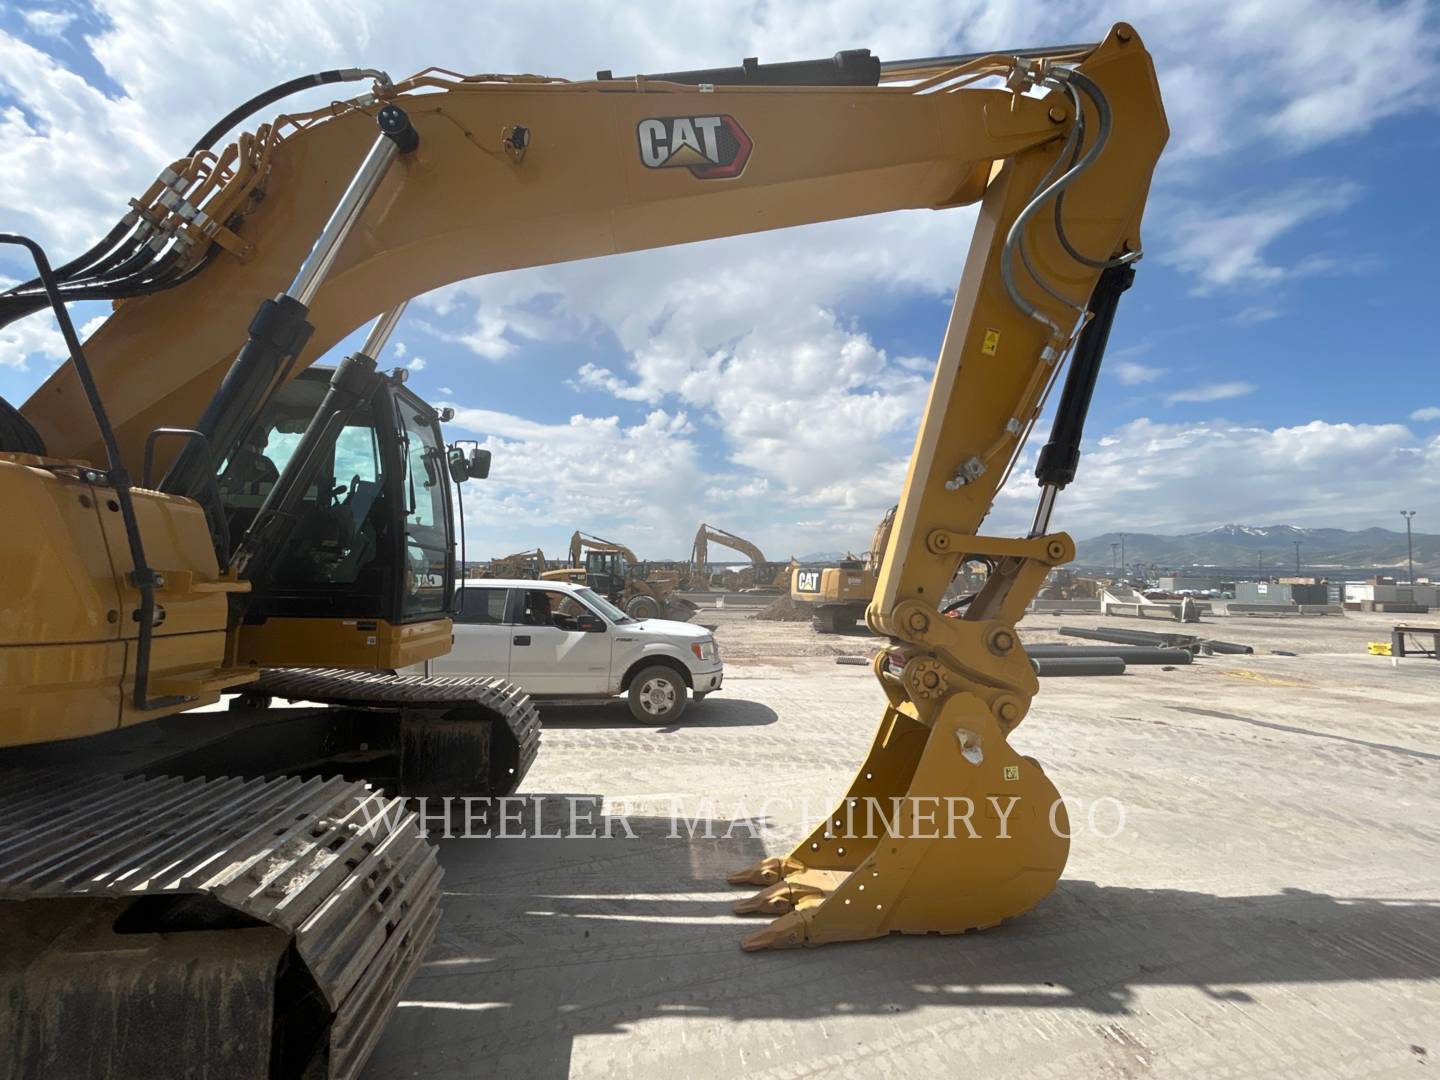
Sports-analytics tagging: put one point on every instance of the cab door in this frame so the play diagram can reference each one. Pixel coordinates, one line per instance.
(549, 653)
(482, 639)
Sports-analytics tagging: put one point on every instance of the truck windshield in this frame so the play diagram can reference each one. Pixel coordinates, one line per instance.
(600, 604)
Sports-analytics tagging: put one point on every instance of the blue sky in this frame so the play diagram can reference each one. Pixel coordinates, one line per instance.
(1274, 362)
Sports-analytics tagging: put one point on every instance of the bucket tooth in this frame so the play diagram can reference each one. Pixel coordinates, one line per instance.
(787, 895)
(775, 900)
(786, 932)
(766, 871)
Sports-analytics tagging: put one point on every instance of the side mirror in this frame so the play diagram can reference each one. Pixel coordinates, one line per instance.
(474, 467)
(590, 623)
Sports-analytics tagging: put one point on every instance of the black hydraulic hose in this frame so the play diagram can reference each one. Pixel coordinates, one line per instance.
(80, 262)
(12, 308)
(269, 97)
(101, 257)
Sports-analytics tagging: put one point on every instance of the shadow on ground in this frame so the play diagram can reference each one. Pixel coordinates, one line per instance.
(544, 943)
(717, 711)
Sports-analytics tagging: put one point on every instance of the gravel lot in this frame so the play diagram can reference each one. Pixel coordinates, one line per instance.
(1269, 906)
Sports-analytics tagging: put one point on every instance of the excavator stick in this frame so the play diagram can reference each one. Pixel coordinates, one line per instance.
(947, 827)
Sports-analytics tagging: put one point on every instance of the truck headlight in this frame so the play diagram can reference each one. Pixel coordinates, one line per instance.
(704, 650)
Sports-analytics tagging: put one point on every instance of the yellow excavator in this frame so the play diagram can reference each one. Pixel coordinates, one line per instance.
(614, 571)
(127, 817)
(765, 576)
(522, 564)
(837, 596)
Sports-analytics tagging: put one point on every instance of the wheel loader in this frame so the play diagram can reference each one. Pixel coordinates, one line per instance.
(614, 572)
(211, 893)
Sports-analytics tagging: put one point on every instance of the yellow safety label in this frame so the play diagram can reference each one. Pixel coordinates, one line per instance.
(1012, 772)
(991, 345)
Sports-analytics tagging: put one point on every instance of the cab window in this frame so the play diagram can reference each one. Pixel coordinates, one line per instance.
(480, 605)
(549, 607)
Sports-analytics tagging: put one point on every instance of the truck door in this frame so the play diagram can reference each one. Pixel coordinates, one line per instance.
(482, 640)
(549, 653)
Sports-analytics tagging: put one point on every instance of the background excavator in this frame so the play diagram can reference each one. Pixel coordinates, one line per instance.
(764, 576)
(613, 571)
(521, 564)
(837, 596)
(128, 604)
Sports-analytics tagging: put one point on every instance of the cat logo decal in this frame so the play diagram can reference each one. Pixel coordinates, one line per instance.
(711, 147)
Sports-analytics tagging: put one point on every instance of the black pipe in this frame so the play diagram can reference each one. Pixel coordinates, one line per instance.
(1128, 637)
(1131, 654)
(1060, 457)
(1051, 665)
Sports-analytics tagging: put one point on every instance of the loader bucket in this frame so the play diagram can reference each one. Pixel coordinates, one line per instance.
(944, 829)
(679, 609)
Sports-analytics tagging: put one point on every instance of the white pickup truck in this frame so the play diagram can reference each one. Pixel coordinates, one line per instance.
(559, 640)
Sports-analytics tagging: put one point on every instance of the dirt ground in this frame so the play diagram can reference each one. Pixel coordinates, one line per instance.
(1268, 905)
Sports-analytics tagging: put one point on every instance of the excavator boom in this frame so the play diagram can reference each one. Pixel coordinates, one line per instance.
(568, 171)
(764, 575)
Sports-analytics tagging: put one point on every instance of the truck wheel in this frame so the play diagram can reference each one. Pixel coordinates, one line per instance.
(642, 607)
(657, 695)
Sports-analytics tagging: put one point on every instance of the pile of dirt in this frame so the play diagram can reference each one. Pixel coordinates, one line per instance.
(785, 609)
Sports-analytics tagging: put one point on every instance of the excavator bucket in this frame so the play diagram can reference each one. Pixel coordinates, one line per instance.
(944, 829)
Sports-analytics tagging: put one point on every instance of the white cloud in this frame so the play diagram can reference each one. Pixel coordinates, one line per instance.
(1211, 392)
(640, 482)
(416, 364)
(1131, 373)
(1225, 247)
(1289, 76)
(1430, 412)
(1173, 477)
(51, 24)
(37, 338)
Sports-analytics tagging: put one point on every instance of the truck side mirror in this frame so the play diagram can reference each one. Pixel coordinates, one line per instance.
(590, 623)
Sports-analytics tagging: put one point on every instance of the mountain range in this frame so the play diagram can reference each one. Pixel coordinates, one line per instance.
(1272, 546)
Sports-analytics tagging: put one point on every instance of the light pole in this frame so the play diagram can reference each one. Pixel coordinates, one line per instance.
(1297, 558)
(1115, 558)
(1409, 544)
(1122, 553)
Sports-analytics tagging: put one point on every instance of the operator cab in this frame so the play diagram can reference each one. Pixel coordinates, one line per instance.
(371, 536)
(606, 572)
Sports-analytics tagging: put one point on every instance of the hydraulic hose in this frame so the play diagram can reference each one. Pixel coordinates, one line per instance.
(123, 263)
(284, 90)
